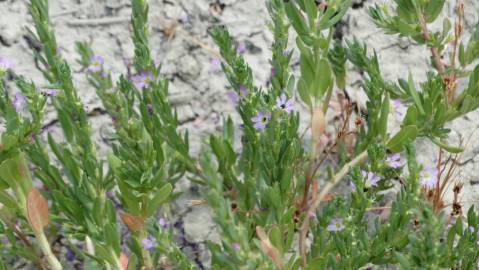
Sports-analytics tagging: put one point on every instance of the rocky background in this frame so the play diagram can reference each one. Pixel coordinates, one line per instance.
(180, 42)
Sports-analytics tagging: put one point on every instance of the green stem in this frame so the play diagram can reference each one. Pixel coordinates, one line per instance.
(47, 251)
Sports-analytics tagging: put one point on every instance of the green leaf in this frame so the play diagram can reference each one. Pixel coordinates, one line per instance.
(403, 261)
(383, 121)
(406, 133)
(448, 148)
(411, 116)
(159, 198)
(7, 200)
(303, 92)
(433, 9)
(295, 18)
(324, 78)
(414, 94)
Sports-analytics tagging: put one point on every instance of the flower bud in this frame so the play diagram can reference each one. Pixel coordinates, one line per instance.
(90, 248)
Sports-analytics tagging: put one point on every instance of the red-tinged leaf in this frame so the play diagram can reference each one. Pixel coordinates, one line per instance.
(134, 223)
(37, 210)
(123, 261)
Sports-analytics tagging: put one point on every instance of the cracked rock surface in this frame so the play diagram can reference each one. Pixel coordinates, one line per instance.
(180, 42)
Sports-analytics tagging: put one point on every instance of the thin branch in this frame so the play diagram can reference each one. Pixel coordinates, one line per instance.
(317, 201)
(434, 51)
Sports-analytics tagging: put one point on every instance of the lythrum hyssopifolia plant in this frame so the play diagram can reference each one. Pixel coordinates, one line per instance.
(276, 201)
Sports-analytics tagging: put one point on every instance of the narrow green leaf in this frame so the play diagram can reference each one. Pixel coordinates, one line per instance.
(413, 92)
(448, 148)
(406, 133)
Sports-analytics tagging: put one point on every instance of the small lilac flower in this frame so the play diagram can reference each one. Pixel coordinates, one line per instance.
(96, 63)
(70, 256)
(312, 215)
(148, 243)
(157, 62)
(429, 177)
(336, 225)
(353, 186)
(236, 246)
(241, 48)
(397, 104)
(371, 179)
(162, 222)
(394, 161)
(143, 79)
(50, 92)
(260, 120)
(471, 229)
(284, 103)
(18, 101)
(215, 65)
(233, 96)
(273, 72)
(5, 64)
(243, 91)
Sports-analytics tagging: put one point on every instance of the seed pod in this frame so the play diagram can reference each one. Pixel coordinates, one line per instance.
(318, 124)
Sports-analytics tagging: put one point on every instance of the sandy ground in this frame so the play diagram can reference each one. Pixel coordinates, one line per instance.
(186, 58)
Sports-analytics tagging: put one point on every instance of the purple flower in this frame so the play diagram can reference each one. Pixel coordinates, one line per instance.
(162, 222)
(312, 215)
(148, 243)
(273, 72)
(50, 92)
(142, 80)
(371, 179)
(215, 65)
(241, 48)
(18, 102)
(5, 64)
(96, 63)
(236, 246)
(397, 104)
(353, 186)
(394, 161)
(471, 229)
(336, 225)
(429, 177)
(260, 120)
(70, 256)
(235, 97)
(284, 103)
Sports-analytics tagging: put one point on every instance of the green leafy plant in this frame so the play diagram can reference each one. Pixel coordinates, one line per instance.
(272, 198)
